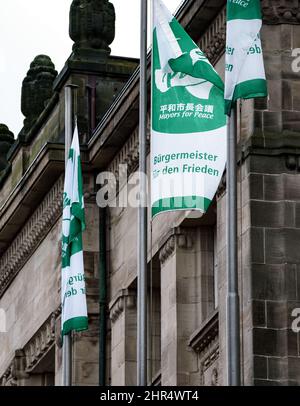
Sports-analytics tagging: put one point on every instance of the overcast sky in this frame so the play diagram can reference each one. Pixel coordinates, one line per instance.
(32, 27)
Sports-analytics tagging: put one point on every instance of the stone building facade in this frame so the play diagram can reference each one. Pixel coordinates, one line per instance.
(186, 255)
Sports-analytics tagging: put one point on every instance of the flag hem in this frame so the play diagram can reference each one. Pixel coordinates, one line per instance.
(76, 323)
(168, 204)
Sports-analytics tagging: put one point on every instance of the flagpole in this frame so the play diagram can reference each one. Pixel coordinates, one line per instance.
(67, 339)
(233, 306)
(142, 217)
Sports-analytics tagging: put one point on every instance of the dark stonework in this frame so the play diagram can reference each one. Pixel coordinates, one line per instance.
(278, 368)
(260, 367)
(275, 262)
(37, 89)
(269, 342)
(92, 26)
(281, 11)
(6, 141)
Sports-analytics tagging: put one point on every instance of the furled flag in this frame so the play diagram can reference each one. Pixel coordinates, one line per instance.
(188, 138)
(244, 66)
(74, 307)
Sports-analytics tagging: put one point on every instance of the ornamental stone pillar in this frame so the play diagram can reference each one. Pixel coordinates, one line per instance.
(92, 26)
(37, 90)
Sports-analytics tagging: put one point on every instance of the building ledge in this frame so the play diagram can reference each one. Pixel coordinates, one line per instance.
(30, 190)
(97, 63)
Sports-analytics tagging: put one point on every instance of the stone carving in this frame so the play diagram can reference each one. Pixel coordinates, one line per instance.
(16, 371)
(126, 298)
(29, 238)
(6, 141)
(178, 238)
(281, 11)
(37, 89)
(40, 343)
(210, 359)
(92, 24)
(214, 377)
(217, 45)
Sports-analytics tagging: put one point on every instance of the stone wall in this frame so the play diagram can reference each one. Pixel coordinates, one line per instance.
(275, 261)
(31, 298)
(274, 197)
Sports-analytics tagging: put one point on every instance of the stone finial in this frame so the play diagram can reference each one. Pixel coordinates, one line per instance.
(6, 141)
(92, 25)
(37, 89)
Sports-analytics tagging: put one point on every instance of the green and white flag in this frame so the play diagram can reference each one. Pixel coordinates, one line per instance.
(188, 137)
(244, 66)
(73, 294)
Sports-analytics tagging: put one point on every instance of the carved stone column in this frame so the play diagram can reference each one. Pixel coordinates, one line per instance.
(123, 315)
(186, 300)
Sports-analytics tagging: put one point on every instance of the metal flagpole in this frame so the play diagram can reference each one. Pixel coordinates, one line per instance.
(142, 218)
(67, 339)
(233, 306)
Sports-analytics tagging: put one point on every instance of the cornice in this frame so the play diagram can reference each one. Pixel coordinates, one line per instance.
(40, 343)
(15, 371)
(31, 235)
(167, 250)
(30, 190)
(213, 42)
(207, 334)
